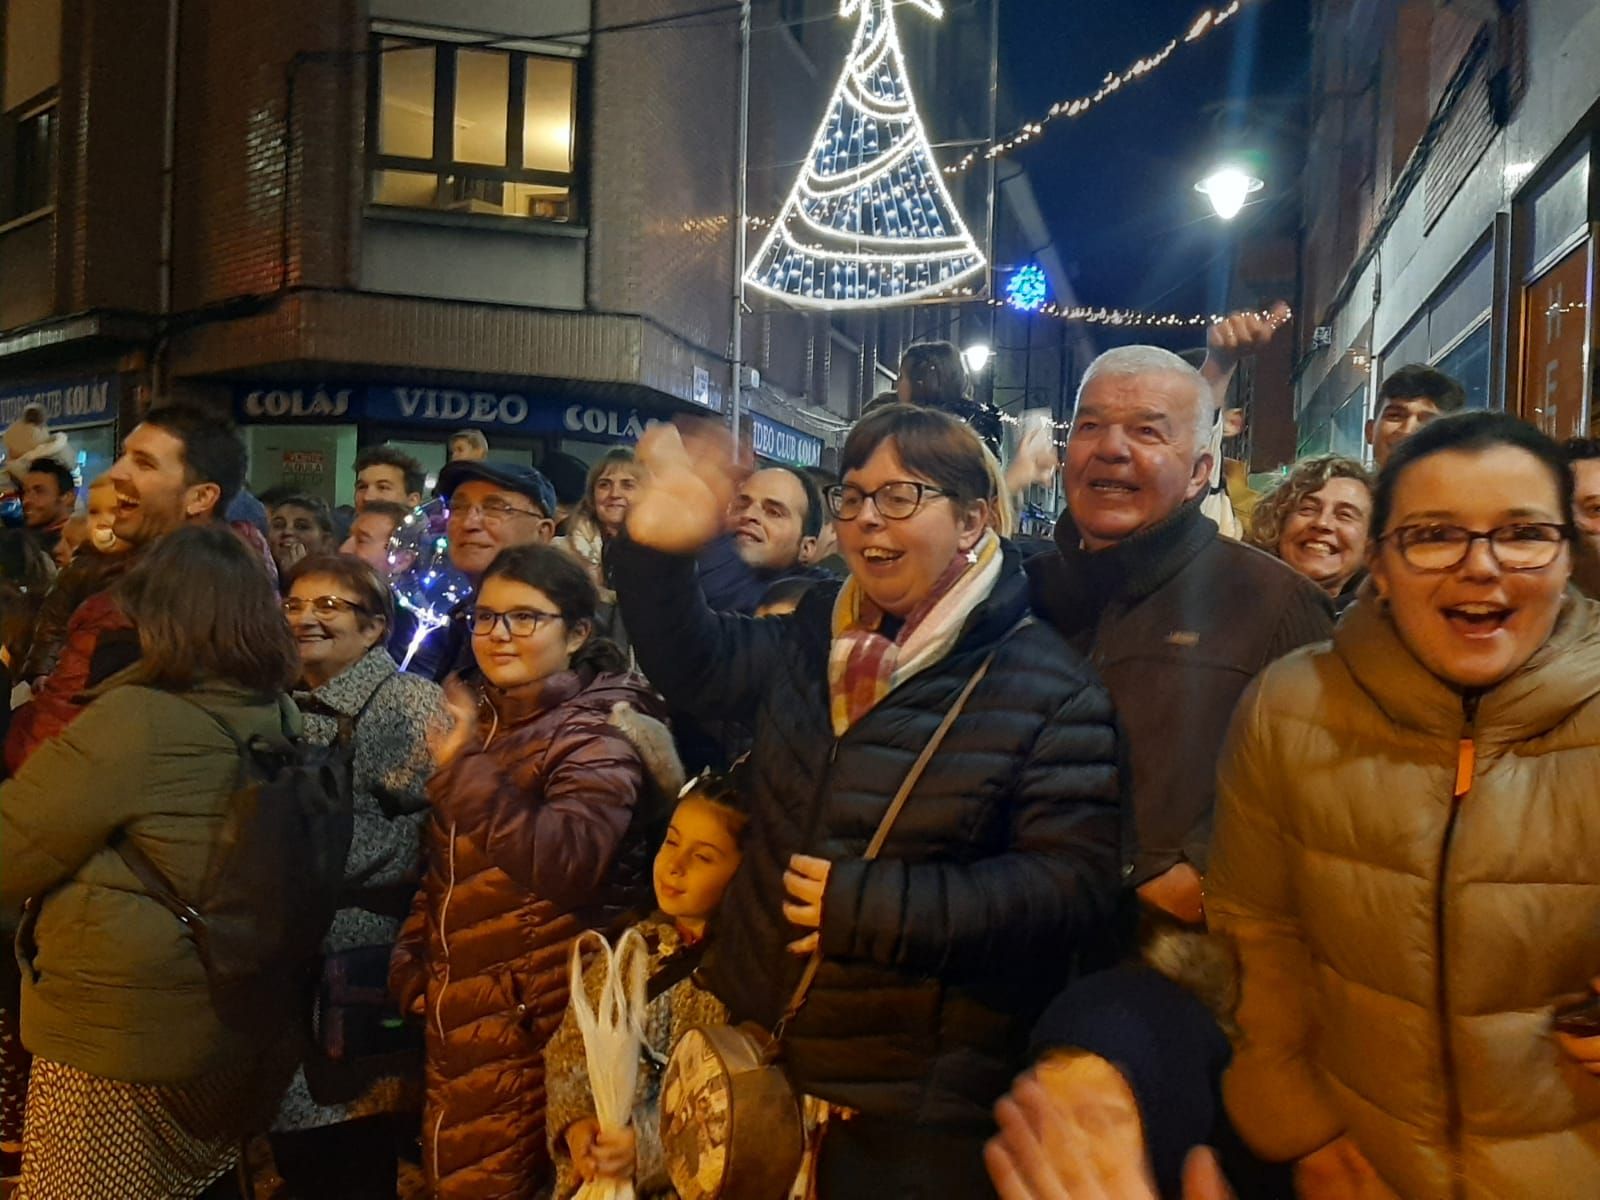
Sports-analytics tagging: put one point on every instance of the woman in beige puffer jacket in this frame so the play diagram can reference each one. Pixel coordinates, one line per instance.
(1408, 851)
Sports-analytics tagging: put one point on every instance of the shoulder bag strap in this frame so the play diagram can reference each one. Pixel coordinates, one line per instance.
(875, 847)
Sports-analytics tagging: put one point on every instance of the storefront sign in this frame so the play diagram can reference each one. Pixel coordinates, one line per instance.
(438, 407)
(67, 404)
(303, 463)
(294, 404)
(781, 443)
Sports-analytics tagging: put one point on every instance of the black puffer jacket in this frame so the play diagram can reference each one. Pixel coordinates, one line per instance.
(940, 955)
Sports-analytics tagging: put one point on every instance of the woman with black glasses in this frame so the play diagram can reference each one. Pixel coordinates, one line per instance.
(935, 958)
(539, 832)
(1407, 852)
(336, 1133)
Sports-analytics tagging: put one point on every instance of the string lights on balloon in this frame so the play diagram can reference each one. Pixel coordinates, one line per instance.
(1207, 22)
(869, 222)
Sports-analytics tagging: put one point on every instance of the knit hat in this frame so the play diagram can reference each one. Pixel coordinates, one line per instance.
(28, 440)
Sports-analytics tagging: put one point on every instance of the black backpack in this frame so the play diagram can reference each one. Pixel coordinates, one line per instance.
(272, 884)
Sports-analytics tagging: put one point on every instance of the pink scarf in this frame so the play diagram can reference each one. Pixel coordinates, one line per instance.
(864, 666)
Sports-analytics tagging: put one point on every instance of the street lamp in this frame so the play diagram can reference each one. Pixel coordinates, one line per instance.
(977, 356)
(1228, 188)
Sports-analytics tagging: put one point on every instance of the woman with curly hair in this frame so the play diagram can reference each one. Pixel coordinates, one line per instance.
(1316, 521)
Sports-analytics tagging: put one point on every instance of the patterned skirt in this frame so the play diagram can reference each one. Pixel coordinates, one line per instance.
(90, 1138)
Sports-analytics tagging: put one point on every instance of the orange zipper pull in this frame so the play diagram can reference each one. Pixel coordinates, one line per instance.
(1466, 760)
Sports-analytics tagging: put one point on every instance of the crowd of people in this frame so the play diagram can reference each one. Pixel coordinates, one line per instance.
(1223, 844)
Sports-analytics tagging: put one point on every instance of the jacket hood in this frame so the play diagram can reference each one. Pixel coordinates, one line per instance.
(1562, 675)
(580, 689)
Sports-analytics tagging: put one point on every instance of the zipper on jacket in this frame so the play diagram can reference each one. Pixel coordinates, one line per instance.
(444, 982)
(1466, 764)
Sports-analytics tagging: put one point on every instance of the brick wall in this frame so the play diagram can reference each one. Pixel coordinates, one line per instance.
(232, 189)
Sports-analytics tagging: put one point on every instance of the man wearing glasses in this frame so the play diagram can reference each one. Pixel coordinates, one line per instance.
(492, 506)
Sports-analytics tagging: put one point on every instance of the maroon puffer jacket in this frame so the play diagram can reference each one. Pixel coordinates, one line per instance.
(536, 835)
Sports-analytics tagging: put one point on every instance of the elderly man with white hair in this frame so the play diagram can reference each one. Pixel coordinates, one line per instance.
(1178, 621)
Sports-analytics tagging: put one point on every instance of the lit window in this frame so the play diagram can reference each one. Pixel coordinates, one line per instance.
(470, 130)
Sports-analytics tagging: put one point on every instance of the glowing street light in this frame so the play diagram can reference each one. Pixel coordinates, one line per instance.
(977, 357)
(1228, 188)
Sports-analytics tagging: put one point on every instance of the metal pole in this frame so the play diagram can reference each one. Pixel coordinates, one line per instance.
(994, 187)
(741, 220)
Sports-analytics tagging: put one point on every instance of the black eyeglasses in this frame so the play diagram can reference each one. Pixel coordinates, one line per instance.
(894, 501)
(1522, 546)
(520, 622)
(324, 607)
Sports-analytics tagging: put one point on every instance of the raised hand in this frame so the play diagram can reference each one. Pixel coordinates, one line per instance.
(454, 724)
(683, 503)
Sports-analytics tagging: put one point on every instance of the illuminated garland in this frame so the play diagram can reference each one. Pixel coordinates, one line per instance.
(869, 221)
(1207, 22)
(1132, 318)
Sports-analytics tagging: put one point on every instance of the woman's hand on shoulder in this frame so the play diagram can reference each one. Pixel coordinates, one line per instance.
(683, 502)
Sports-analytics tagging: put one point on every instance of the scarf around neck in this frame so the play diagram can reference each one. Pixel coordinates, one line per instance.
(864, 665)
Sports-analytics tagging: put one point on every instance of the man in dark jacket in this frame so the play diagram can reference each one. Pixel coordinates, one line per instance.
(1177, 621)
(773, 522)
(180, 465)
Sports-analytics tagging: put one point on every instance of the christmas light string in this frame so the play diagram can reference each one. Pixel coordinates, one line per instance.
(1206, 23)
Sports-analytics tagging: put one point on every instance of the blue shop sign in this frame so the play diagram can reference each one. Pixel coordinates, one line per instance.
(443, 408)
(67, 403)
(783, 443)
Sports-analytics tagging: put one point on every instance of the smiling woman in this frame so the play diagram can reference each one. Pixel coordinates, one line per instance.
(935, 958)
(1316, 521)
(1430, 893)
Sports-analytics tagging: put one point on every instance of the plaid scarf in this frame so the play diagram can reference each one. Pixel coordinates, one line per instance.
(864, 666)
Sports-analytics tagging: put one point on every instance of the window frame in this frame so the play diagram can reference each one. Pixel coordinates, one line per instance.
(442, 164)
(12, 214)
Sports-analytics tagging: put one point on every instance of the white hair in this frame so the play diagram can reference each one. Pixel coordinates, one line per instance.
(1128, 362)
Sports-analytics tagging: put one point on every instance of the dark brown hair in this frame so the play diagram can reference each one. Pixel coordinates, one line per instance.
(940, 448)
(377, 601)
(205, 610)
(560, 576)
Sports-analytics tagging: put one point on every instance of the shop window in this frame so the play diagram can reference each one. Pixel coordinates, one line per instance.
(478, 131)
(31, 164)
(1468, 364)
(1556, 342)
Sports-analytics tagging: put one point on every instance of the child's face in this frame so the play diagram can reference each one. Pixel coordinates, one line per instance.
(696, 862)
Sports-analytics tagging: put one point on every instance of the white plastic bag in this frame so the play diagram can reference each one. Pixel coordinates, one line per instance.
(613, 1032)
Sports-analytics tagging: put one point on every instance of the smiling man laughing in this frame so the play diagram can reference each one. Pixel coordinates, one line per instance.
(1177, 620)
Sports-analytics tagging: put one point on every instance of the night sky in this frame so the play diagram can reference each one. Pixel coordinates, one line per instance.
(1116, 185)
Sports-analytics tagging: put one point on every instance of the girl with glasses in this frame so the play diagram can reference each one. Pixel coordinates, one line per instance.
(539, 832)
(1406, 856)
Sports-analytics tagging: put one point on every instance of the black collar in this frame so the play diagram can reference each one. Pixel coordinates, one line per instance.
(1138, 565)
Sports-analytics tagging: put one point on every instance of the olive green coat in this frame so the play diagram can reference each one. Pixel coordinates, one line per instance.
(1414, 888)
(114, 986)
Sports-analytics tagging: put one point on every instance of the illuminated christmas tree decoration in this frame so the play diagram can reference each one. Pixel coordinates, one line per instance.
(1028, 289)
(869, 221)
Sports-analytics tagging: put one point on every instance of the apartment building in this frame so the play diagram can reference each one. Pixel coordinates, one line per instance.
(355, 221)
(1450, 208)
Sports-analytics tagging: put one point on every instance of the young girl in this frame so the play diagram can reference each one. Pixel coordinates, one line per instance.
(539, 832)
(699, 857)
